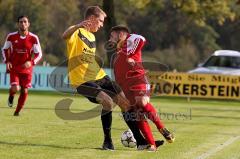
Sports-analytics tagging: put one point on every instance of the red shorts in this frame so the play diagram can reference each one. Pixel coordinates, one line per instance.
(135, 87)
(21, 79)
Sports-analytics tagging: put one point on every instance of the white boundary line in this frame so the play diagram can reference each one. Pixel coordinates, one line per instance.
(218, 148)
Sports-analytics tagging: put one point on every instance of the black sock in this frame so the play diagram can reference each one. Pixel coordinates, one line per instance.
(130, 119)
(106, 117)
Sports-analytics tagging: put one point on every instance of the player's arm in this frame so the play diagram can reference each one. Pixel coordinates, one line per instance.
(67, 33)
(136, 48)
(134, 58)
(37, 54)
(6, 52)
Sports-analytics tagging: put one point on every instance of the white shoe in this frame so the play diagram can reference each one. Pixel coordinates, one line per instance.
(10, 101)
(149, 148)
(152, 148)
(142, 147)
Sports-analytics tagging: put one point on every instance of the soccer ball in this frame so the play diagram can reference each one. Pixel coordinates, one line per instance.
(128, 139)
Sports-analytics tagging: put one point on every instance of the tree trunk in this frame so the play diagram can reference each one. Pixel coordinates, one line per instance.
(110, 21)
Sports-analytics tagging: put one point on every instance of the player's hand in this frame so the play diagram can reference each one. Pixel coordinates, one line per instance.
(86, 24)
(27, 64)
(131, 61)
(9, 66)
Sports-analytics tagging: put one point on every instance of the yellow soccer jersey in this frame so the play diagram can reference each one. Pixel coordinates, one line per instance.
(82, 65)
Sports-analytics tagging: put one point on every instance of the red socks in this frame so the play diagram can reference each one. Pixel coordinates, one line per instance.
(21, 100)
(146, 131)
(152, 114)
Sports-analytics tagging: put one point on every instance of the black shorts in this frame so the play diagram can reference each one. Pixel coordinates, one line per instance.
(91, 89)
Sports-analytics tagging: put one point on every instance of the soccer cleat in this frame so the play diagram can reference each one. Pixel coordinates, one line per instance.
(159, 143)
(142, 147)
(16, 114)
(10, 101)
(167, 135)
(107, 145)
(146, 146)
(151, 148)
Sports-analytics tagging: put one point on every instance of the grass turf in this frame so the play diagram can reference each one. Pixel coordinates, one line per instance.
(200, 127)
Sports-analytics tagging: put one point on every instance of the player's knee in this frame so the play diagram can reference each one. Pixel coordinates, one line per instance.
(122, 101)
(105, 100)
(142, 101)
(24, 90)
(108, 104)
(14, 89)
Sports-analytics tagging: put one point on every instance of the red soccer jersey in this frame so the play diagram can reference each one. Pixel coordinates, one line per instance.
(131, 48)
(19, 49)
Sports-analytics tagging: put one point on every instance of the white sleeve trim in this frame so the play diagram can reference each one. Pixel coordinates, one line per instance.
(133, 42)
(132, 51)
(37, 50)
(6, 46)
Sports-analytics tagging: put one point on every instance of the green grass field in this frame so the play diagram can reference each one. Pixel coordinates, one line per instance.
(203, 129)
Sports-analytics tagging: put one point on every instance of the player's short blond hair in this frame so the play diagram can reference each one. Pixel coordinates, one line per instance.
(94, 10)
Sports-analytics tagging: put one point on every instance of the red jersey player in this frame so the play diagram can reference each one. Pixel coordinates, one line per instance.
(130, 75)
(21, 52)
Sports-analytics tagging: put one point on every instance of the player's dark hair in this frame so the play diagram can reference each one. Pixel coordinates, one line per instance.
(94, 10)
(22, 16)
(120, 28)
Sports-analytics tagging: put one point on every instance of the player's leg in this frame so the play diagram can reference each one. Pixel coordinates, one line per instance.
(141, 88)
(21, 100)
(93, 92)
(131, 121)
(25, 83)
(150, 112)
(137, 118)
(128, 111)
(114, 91)
(147, 132)
(14, 81)
(12, 91)
(137, 123)
(106, 118)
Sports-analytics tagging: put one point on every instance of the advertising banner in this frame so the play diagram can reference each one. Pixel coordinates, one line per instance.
(195, 85)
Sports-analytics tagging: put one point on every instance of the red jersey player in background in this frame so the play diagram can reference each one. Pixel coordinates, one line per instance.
(130, 75)
(21, 52)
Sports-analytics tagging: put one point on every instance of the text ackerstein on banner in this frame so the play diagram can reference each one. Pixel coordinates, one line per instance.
(195, 85)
